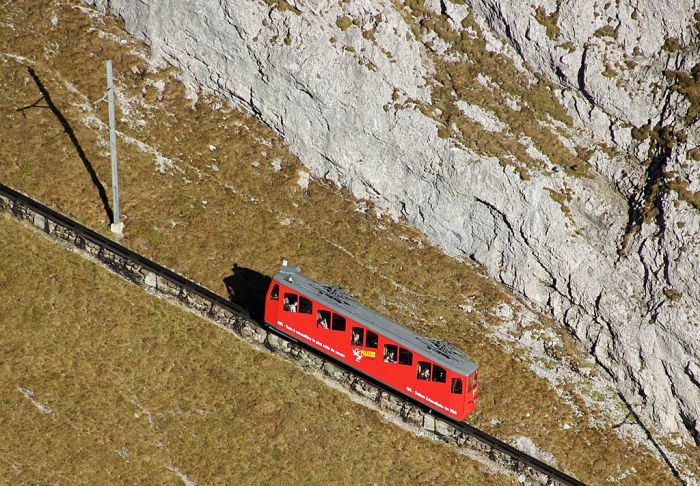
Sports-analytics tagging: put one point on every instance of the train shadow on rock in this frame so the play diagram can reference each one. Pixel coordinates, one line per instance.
(247, 288)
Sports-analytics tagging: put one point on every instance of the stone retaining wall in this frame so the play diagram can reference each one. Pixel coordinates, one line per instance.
(413, 417)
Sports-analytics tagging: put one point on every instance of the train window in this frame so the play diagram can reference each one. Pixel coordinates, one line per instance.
(290, 302)
(439, 374)
(322, 319)
(338, 323)
(305, 306)
(456, 386)
(423, 370)
(358, 336)
(372, 340)
(405, 357)
(275, 294)
(390, 352)
(470, 383)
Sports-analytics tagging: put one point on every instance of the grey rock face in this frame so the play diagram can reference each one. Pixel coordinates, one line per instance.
(616, 263)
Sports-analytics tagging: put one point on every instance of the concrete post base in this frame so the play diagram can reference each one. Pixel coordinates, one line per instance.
(118, 230)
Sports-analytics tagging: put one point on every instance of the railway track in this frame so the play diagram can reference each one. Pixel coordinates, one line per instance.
(148, 273)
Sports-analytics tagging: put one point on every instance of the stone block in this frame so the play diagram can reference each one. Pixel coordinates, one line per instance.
(92, 248)
(443, 428)
(195, 301)
(390, 402)
(250, 332)
(335, 372)
(220, 314)
(260, 334)
(149, 278)
(429, 422)
(412, 414)
(307, 359)
(365, 389)
(166, 286)
(272, 342)
(39, 221)
(5, 203)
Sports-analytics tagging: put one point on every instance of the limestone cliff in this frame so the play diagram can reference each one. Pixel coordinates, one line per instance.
(554, 143)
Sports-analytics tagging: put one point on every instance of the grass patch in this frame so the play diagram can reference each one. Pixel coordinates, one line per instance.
(548, 21)
(606, 31)
(343, 23)
(138, 385)
(283, 6)
(672, 44)
(688, 84)
(609, 72)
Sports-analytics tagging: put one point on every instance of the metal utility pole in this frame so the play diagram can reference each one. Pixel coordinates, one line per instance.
(117, 226)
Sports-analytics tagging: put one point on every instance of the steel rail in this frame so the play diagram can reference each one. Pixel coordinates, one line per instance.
(195, 288)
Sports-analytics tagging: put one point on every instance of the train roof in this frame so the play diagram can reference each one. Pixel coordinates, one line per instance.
(440, 352)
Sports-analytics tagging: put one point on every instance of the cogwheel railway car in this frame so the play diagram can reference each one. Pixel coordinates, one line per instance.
(428, 370)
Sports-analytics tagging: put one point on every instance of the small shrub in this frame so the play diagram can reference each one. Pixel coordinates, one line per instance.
(672, 293)
(641, 133)
(548, 21)
(609, 72)
(672, 44)
(606, 31)
(343, 22)
(569, 46)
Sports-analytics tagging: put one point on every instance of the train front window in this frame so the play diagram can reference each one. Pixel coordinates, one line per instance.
(338, 323)
(390, 352)
(305, 306)
(372, 340)
(470, 381)
(423, 371)
(275, 294)
(322, 319)
(439, 374)
(405, 357)
(358, 336)
(290, 302)
(457, 386)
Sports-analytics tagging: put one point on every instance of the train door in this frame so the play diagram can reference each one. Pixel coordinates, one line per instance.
(456, 400)
(272, 303)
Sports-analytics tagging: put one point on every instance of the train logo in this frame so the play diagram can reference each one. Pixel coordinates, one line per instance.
(363, 353)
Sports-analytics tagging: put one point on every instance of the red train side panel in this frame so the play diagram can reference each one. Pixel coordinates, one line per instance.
(400, 367)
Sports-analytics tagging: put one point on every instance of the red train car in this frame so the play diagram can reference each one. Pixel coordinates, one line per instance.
(428, 370)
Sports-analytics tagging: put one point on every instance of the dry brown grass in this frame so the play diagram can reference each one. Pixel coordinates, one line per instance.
(138, 385)
(166, 218)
